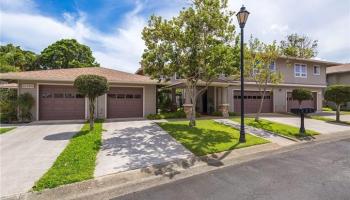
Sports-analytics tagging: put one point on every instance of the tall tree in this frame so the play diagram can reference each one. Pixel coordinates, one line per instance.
(199, 44)
(13, 58)
(261, 67)
(66, 53)
(299, 46)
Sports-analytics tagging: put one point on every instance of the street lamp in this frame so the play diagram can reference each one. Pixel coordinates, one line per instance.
(242, 17)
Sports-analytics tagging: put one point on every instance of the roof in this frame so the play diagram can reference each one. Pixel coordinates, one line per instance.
(113, 76)
(327, 63)
(338, 69)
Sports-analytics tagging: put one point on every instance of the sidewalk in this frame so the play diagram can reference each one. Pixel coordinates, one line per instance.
(274, 138)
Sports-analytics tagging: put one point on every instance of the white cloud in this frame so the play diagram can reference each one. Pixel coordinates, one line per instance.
(22, 24)
(325, 21)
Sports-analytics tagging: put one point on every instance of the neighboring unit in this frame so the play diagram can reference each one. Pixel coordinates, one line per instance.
(130, 95)
(339, 75)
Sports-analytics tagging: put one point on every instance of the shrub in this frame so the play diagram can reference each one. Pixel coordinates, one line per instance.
(232, 114)
(167, 115)
(25, 104)
(216, 113)
(301, 95)
(8, 105)
(91, 86)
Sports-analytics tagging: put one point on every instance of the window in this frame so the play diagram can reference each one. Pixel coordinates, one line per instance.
(46, 95)
(317, 70)
(137, 96)
(273, 66)
(58, 95)
(111, 96)
(300, 70)
(120, 96)
(69, 95)
(129, 96)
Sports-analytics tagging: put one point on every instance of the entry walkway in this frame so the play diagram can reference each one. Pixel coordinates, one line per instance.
(274, 138)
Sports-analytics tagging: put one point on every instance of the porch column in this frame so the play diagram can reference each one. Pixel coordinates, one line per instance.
(173, 99)
(223, 107)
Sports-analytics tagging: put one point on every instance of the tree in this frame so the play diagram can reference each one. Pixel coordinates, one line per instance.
(66, 53)
(8, 105)
(338, 94)
(198, 45)
(259, 58)
(91, 86)
(299, 46)
(301, 95)
(25, 103)
(13, 58)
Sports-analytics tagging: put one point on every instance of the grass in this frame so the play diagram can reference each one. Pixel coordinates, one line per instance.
(278, 128)
(4, 130)
(76, 162)
(326, 119)
(208, 137)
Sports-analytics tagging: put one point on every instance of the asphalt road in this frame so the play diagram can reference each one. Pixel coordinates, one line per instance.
(317, 172)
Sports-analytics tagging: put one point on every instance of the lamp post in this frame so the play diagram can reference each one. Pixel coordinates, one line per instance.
(242, 17)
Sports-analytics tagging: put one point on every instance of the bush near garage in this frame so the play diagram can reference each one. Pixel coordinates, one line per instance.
(25, 103)
(8, 105)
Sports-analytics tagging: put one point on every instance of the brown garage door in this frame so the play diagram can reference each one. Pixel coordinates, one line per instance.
(252, 101)
(60, 103)
(124, 102)
(305, 104)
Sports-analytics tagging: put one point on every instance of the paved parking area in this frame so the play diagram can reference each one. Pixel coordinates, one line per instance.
(311, 124)
(27, 152)
(136, 144)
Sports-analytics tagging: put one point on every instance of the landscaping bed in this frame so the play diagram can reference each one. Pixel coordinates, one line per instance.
(277, 128)
(326, 119)
(76, 162)
(208, 137)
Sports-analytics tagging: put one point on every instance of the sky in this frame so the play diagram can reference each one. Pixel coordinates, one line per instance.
(112, 28)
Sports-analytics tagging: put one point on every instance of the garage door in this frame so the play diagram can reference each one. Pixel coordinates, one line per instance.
(305, 104)
(124, 102)
(60, 103)
(252, 101)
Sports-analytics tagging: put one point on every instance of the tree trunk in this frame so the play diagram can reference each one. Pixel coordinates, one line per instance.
(260, 107)
(337, 119)
(92, 112)
(193, 93)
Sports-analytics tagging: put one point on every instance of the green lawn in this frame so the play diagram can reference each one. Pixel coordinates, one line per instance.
(326, 119)
(208, 136)
(76, 162)
(4, 130)
(278, 128)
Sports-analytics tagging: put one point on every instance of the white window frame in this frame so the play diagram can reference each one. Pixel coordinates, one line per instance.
(300, 74)
(319, 70)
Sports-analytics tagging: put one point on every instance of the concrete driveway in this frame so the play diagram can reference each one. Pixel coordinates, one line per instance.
(311, 124)
(136, 144)
(345, 118)
(28, 152)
